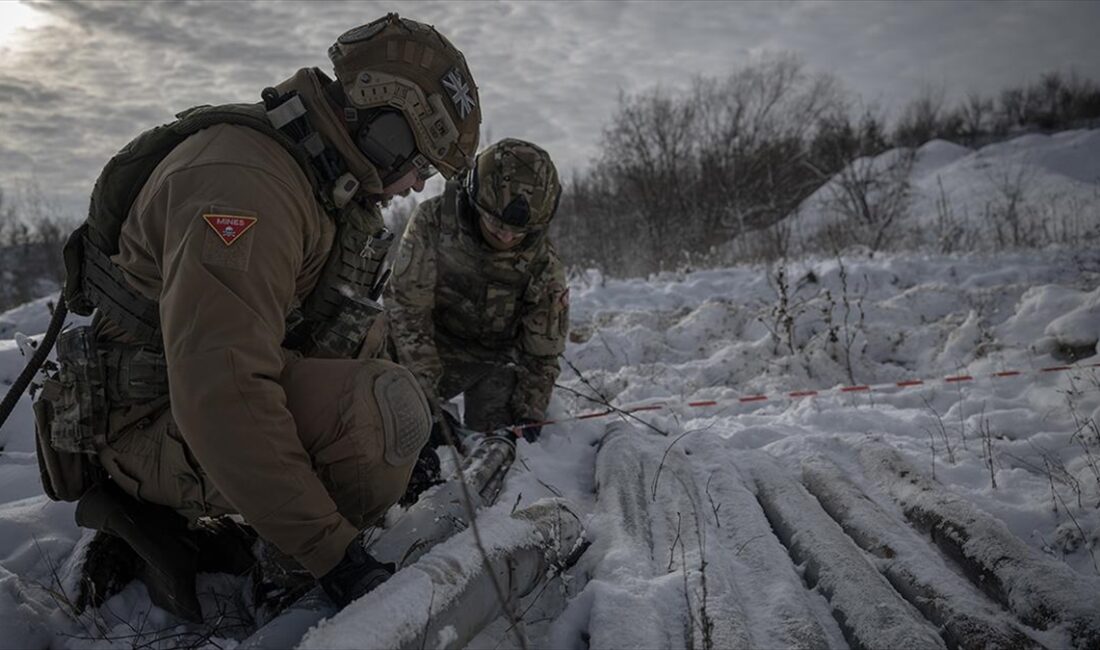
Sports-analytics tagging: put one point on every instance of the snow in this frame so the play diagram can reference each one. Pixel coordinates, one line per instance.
(721, 335)
(964, 196)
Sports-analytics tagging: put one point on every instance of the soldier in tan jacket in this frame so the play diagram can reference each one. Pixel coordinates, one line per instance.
(480, 301)
(234, 287)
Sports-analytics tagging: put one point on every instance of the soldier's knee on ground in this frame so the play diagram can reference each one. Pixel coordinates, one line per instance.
(363, 425)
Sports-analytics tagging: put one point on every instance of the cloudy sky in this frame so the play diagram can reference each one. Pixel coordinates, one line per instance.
(79, 79)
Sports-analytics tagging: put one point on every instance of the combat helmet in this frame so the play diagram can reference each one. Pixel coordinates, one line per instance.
(396, 65)
(514, 185)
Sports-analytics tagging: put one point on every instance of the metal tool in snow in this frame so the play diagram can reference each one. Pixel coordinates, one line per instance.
(440, 513)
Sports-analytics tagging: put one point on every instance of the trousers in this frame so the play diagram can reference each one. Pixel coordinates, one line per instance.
(362, 449)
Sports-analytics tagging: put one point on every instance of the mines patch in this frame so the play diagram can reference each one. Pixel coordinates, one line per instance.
(229, 227)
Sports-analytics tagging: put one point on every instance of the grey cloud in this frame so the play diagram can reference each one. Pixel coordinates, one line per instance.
(549, 72)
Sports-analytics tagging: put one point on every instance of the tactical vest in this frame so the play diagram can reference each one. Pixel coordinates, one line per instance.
(333, 319)
(480, 292)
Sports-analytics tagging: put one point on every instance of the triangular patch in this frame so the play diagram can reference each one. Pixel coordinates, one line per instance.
(229, 227)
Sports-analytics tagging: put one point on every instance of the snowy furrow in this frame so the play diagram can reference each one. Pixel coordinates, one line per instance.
(919, 574)
(1042, 592)
(692, 534)
(868, 609)
(743, 550)
(630, 595)
(716, 603)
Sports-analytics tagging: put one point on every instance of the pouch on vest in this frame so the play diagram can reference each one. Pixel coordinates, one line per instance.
(341, 336)
(77, 394)
(68, 415)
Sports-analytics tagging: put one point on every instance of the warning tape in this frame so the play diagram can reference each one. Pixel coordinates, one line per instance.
(799, 394)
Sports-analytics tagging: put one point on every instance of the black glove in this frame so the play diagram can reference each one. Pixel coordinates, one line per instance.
(355, 575)
(444, 427)
(530, 430)
(426, 473)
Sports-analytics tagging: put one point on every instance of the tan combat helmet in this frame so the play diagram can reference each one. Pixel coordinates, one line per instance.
(406, 65)
(515, 184)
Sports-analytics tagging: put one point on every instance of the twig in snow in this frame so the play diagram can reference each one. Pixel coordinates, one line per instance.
(986, 432)
(604, 401)
(676, 540)
(746, 543)
(553, 490)
(942, 428)
(661, 465)
(962, 411)
(932, 446)
(1088, 547)
(687, 600)
(710, 498)
(701, 536)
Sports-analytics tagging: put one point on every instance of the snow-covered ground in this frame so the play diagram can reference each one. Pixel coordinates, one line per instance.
(1030, 190)
(688, 496)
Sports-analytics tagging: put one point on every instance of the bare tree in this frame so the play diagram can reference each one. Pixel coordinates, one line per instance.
(975, 116)
(678, 171)
(926, 118)
(868, 199)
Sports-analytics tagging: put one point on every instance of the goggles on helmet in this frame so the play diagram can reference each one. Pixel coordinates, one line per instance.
(496, 225)
(386, 139)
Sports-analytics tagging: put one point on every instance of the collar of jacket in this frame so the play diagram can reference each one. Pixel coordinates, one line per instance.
(307, 82)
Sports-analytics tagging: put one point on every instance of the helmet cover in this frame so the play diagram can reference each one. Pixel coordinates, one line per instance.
(407, 65)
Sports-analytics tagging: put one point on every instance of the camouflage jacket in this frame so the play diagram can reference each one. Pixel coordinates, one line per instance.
(449, 285)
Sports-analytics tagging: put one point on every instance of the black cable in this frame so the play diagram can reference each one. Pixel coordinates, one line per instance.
(36, 361)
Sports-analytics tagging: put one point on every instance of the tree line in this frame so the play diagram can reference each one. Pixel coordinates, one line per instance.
(32, 233)
(679, 172)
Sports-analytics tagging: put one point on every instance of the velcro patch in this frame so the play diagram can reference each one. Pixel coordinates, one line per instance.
(229, 227)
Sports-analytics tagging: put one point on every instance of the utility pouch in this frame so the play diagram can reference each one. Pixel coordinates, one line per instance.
(78, 394)
(64, 476)
(66, 421)
(340, 337)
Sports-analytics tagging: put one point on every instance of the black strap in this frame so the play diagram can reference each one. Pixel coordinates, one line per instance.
(105, 285)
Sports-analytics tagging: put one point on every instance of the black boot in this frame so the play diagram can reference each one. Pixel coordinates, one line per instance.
(138, 540)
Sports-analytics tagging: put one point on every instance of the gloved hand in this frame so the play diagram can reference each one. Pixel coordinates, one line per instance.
(443, 429)
(530, 430)
(357, 574)
(425, 474)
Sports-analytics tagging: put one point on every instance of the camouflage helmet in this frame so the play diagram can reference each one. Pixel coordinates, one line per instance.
(407, 65)
(515, 182)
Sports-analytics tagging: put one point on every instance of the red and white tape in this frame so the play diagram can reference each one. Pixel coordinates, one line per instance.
(891, 387)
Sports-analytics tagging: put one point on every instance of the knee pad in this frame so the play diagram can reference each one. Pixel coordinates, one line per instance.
(403, 409)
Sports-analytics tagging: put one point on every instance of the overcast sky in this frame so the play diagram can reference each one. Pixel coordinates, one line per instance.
(78, 80)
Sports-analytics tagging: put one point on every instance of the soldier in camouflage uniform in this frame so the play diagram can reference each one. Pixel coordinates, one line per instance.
(480, 303)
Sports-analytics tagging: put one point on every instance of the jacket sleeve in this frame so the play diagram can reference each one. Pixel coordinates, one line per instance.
(544, 326)
(413, 291)
(223, 309)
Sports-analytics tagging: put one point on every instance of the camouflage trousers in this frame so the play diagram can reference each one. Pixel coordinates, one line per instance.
(486, 378)
(341, 431)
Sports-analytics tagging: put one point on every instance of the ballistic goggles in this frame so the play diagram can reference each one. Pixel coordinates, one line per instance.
(506, 223)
